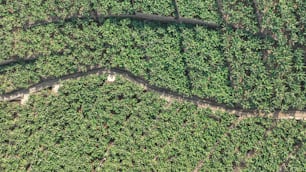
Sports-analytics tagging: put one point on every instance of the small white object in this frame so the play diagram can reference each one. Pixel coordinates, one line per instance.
(24, 99)
(55, 88)
(111, 78)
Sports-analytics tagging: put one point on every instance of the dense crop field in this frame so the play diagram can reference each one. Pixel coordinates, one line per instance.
(231, 65)
(245, 55)
(96, 125)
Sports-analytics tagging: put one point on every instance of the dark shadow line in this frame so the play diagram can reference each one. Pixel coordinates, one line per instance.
(258, 14)
(24, 61)
(16, 60)
(136, 15)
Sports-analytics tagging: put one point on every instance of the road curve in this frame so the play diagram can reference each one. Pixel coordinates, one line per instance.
(164, 93)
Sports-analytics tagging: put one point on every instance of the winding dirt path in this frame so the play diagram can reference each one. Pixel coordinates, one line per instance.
(164, 93)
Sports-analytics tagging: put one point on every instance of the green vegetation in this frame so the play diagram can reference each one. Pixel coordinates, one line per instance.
(92, 124)
(287, 20)
(254, 59)
(268, 145)
(241, 13)
(189, 60)
(199, 9)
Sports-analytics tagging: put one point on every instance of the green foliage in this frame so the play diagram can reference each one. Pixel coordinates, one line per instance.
(232, 150)
(199, 9)
(95, 125)
(231, 67)
(286, 20)
(257, 144)
(206, 65)
(164, 7)
(241, 14)
(279, 143)
(89, 116)
(297, 161)
(263, 75)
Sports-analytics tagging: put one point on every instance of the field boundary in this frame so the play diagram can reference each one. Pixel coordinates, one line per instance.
(163, 92)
